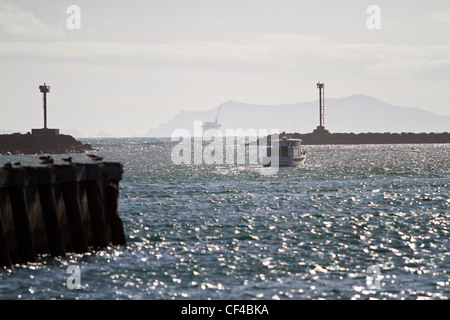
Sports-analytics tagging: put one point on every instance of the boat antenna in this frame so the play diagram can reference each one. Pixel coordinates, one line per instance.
(218, 112)
(293, 120)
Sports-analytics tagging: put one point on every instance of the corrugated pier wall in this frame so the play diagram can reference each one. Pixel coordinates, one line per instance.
(57, 209)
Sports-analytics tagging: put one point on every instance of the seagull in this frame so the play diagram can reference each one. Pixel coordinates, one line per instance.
(45, 159)
(68, 159)
(94, 157)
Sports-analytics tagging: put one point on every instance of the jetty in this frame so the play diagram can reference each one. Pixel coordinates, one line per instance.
(38, 143)
(56, 209)
(41, 141)
(321, 136)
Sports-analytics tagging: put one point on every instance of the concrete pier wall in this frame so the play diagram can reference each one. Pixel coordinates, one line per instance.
(57, 209)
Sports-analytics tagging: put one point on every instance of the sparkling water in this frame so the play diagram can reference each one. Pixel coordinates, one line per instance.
(353, 222)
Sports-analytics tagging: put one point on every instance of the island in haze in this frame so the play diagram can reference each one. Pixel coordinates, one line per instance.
(353, 119)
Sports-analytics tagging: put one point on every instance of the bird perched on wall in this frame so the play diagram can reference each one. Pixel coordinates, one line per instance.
(46, 159)
(7, 165)
(68, 159)
(94, 157)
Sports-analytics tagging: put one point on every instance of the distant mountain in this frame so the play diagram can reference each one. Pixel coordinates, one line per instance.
(357, 113)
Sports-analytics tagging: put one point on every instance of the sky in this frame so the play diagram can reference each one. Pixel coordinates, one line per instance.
(125, 67)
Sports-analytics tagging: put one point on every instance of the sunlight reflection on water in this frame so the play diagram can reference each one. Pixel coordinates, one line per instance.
(226, 232)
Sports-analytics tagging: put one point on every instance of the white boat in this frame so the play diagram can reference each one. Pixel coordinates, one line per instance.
(291, 153)
(212, 125)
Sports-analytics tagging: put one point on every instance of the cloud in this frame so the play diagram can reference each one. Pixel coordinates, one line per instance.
(273, 49)
(442, 17)
(212, 20)
(18, 23)
(270, 47)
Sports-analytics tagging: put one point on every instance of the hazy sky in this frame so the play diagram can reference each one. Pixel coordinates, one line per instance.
(133, 65)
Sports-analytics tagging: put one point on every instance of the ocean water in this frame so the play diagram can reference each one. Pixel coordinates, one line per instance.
(353, 222)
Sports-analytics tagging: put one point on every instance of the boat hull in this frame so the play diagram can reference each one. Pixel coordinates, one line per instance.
(290, 154)
(287, 162)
